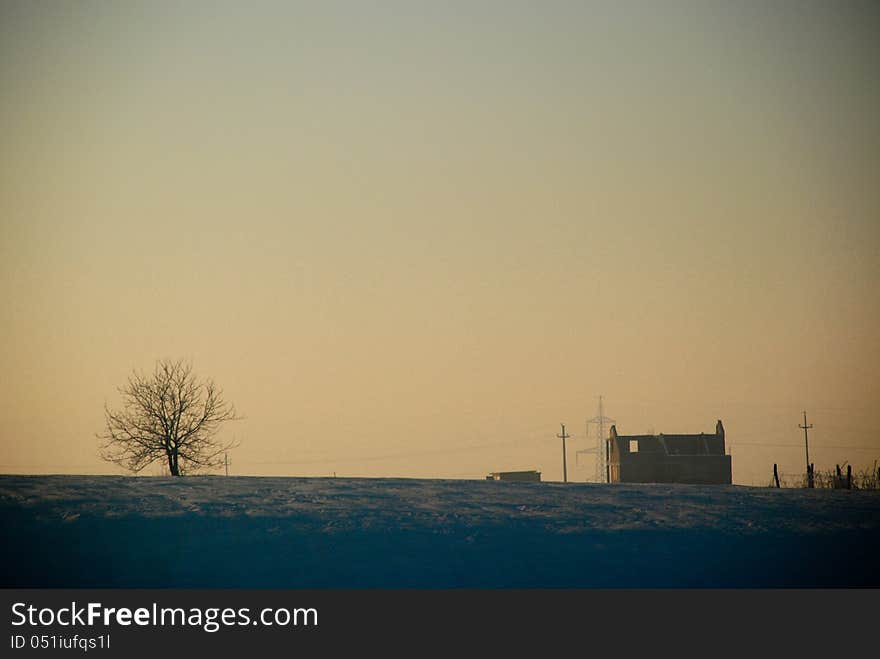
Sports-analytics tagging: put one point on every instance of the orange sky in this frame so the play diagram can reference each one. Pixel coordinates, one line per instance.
(412, 240)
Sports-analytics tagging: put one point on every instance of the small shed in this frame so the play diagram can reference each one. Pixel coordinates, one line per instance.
(523, 476)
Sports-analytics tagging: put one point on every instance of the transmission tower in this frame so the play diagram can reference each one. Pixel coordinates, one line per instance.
(601, 449)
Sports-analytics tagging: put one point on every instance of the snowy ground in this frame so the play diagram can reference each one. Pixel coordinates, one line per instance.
(98, 531)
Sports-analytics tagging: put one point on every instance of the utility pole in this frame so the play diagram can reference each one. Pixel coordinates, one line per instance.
(226, 461)
(806, 428)
(563, 437)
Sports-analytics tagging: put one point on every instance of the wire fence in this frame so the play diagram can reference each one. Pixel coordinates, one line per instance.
(840, 478)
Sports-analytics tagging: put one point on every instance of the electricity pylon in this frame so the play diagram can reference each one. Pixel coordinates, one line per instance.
(601, 448)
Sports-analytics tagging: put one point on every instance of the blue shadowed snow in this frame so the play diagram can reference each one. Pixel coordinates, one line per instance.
(92, 531)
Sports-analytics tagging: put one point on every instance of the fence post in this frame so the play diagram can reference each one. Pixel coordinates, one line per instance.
(775, 475)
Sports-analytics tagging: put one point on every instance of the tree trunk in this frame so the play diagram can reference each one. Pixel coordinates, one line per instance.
(172, 464)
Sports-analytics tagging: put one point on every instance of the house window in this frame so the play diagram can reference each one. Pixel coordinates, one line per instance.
(633, 446)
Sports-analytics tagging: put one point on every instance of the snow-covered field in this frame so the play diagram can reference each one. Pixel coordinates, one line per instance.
(98, 531)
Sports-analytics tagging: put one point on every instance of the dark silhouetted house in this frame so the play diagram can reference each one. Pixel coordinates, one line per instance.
(668, 458)
(530, 476)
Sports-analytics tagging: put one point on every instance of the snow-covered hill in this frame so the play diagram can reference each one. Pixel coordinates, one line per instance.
(69, 531)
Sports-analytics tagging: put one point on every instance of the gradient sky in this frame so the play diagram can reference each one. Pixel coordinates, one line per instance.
(411, 238)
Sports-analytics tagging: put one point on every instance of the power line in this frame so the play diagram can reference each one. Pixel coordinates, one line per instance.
(371, 458)
(392, 456)
(827, 446)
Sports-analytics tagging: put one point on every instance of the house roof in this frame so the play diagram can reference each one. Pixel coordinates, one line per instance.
(719, 430)
(678, 444)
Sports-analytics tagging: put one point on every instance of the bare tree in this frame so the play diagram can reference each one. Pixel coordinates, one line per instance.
(170, 416)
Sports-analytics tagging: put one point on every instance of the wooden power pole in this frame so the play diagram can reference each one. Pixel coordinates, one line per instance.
(806, 428)
(563, 437)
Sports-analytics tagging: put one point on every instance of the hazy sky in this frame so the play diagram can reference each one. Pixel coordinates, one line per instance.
(411, 238)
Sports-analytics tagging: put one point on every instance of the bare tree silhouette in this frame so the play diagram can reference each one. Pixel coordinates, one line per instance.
(170, 415)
